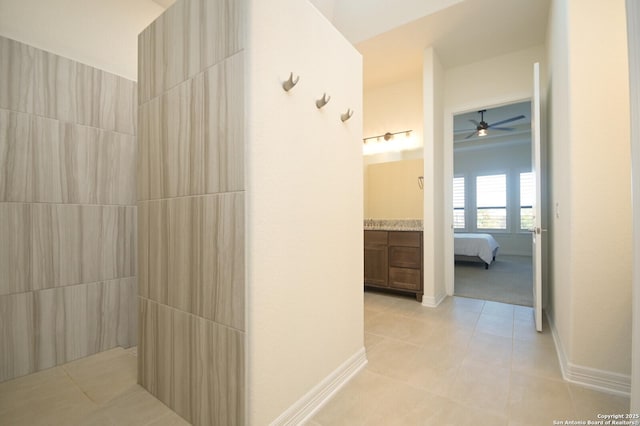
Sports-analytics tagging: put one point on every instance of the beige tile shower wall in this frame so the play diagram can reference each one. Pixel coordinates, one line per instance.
(205, 114)
(67, 210)
(191, 205)
(45, 328)
(189, 37)
(50, 161)
(193, 365)
(47, 85)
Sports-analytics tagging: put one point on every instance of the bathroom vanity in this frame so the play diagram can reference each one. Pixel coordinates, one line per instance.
(393, 256)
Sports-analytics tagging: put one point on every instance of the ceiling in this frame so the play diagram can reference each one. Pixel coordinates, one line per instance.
(462, 33)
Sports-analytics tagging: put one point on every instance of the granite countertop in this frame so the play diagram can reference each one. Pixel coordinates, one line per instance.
(393, 224)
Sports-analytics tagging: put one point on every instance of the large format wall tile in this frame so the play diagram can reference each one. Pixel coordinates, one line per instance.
(16, 335)
(37, 82)
(192, 364)
(77, 244)
(44, 160)
(192, 137)
(15, 252)
(191, 210)
(45, 328)
(54, 245)
(185, 40)
(105, 100)
(194, 247)
(67, 210)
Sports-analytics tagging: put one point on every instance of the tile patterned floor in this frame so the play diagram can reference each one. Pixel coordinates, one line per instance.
(467, 362)
(99, 390)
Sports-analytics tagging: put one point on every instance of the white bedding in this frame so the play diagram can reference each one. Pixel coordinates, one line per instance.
(482, 245)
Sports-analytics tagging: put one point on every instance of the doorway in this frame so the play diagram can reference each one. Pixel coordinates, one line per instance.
(492, 201)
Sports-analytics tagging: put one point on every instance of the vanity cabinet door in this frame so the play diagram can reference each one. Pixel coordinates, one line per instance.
(405, 279)
(405, 257)
(376, 258)
(405, 262)
(376, 266)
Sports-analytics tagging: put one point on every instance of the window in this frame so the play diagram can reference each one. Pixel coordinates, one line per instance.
(491, 201)
(527, 195)
(458, 203)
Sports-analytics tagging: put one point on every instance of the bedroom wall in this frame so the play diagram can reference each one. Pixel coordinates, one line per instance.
(591, 167)
(67, 210)
(511, 157)
(99, 33)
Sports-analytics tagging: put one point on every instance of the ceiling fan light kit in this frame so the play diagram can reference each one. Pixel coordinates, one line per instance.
(482, 127)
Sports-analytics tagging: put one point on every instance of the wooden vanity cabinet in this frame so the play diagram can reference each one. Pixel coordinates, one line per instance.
(376, 258)
(393, 260)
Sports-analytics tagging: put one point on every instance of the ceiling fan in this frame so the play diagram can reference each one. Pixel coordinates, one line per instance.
(483, 126)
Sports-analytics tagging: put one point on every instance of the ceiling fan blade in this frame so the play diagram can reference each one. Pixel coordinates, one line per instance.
(508, 120)
(471, 135)
(464, 130)
(475, 123)
(508, 129)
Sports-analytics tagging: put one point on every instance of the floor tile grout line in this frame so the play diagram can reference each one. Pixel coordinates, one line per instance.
(79, 387)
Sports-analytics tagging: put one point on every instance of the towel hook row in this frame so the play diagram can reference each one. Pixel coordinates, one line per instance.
(320, 103)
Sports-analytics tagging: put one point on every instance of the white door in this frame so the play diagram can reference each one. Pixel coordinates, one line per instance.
(537, 208)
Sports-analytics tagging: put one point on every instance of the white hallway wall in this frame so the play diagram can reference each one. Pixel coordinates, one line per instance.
(590, 275)
(304, 209)
(633, 23)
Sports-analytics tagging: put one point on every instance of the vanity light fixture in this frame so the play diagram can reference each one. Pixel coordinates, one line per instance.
(387, 136)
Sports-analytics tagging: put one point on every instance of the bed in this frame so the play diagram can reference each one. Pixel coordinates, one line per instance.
(475, 247)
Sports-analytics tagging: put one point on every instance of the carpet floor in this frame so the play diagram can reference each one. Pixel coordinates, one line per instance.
(509, 280)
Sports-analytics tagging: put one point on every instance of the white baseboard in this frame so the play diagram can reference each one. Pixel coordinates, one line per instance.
(307, 406)
(593, 378)
(432, 302)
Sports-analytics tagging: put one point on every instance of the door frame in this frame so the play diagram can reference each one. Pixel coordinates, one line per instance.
(449, 113)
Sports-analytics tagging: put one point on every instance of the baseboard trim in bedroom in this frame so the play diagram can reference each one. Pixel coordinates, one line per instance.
(592, 378)
(307, 406)
(432, 302)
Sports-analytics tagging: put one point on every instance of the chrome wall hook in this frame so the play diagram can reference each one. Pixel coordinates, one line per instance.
(347, 115)
(288, 85)
(323, 101)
